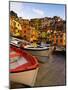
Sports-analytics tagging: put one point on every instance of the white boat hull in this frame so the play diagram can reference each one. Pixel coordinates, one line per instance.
(26, 77)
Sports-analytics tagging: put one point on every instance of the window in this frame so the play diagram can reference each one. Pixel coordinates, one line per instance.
(56, 41)
(25, 31)
(60, 40)
(18, 24)
(61, 36)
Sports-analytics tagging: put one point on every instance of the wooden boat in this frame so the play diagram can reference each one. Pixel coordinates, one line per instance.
(24, 72)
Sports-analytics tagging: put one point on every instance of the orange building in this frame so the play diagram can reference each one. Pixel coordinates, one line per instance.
(26, 32)
(58, 38)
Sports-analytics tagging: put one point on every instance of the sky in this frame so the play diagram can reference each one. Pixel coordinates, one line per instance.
(37, 10)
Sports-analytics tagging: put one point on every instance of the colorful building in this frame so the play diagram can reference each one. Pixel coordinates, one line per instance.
(15, 27)
(33, 34)
(58, 38)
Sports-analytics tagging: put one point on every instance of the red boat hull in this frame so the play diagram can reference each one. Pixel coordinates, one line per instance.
(32, 60)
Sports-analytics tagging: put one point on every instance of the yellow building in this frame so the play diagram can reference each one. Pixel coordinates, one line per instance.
(34, 35)
(15, 27)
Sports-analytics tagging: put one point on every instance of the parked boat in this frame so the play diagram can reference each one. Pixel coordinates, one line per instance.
(23, 66)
